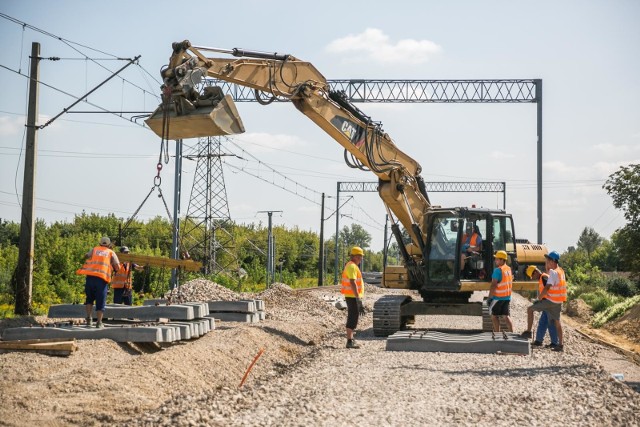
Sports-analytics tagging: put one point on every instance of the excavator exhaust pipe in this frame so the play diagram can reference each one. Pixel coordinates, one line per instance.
(199, 119)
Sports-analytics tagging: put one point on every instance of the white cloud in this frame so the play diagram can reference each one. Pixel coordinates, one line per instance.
(616, 151)
(11, 125)
(499, 155)
(373, 45)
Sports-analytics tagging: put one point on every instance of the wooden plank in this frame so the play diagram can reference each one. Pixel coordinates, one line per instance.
(160, 261)
(66, 345)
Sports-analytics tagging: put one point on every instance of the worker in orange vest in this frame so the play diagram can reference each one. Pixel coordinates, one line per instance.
(500, 292)
(544, 324)
(99, 266)
(353, 290)
(471, 244)
(122, 283)
(551, 298)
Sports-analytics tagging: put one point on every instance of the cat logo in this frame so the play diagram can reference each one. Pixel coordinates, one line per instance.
(351, 130)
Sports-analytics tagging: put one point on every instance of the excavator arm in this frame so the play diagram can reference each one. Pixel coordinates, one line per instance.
(283, 76)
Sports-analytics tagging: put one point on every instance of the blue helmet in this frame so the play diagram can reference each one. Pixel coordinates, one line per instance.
(553, 255)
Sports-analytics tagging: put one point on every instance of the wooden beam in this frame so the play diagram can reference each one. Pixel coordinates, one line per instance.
(160, 261)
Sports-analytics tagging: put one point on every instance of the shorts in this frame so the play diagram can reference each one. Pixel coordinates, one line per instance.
(353, 314)
(499, 307)
(553, 309)
(96, 290)
(122, 296)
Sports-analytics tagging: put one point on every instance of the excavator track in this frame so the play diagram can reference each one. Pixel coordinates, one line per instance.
(387, 318)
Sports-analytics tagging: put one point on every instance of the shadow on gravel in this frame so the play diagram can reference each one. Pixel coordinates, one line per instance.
(635, 385)
(289, 337)
(510, 372)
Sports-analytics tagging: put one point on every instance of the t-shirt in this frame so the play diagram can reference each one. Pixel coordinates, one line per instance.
(497, 275)
(351, 271)
(553, 279)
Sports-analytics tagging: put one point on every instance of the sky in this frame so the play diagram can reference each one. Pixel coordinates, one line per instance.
(585, 51)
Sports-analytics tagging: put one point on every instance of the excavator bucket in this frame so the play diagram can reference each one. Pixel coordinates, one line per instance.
(209, 120)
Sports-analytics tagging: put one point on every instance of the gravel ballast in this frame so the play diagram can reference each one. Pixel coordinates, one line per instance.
(307, 377)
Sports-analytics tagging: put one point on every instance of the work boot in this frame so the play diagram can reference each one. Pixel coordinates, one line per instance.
(89, 321)
(526, 334)
(537, 343)
(557, 347)
(352, 344)
(99, 325)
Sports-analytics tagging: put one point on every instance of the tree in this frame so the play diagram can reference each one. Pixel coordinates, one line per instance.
(355, 236)
(589, 241)
(624, 188)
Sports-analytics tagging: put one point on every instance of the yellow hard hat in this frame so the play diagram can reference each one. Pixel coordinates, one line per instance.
(357, 250)
(501, 255)
(530, 271)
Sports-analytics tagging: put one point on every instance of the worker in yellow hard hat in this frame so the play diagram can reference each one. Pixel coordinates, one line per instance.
(500, 292)
(353, 290)
(544, 323)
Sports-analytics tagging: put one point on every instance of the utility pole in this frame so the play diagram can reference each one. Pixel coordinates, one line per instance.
(24, 270)
(321, 257)
(175, 241)
(271, 250)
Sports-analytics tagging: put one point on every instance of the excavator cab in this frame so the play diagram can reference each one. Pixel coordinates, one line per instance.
(461, 245)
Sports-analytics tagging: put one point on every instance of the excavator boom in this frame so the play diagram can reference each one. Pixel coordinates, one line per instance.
(284, 76)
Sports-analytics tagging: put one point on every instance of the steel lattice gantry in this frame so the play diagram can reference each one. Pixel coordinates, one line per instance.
(431, 187)
(518, 91)
(206, 232)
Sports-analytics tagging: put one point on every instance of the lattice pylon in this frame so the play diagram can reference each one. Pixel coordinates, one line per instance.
(207, 233)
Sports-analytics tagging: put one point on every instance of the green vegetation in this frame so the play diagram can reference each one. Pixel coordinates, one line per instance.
(614, 311)
(60, 248)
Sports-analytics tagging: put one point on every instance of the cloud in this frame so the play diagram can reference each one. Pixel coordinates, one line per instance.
(499, 155)
(11, 125)
(373, 45)
(616, 151)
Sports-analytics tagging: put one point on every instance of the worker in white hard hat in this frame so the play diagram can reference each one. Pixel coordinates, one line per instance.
(353, 290)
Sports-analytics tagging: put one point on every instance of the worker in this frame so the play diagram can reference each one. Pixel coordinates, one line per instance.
(121, 283)
(500, 292)
(353, 290)
(99, 266)
(471, 242)
(544, 324)
(551, 298)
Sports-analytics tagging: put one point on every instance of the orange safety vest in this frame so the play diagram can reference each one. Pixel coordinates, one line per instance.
(122, 278)
(346, 289)
(472, 242)
(558, 292)
(503, 289)
(541, 283)
(99, 264)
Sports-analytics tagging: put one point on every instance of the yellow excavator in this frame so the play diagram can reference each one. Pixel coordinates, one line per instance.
(436, 261)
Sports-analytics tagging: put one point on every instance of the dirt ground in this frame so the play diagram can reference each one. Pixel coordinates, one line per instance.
(106, 382)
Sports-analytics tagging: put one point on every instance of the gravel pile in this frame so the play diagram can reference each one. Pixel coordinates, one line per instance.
(371, 386)
(201, 290)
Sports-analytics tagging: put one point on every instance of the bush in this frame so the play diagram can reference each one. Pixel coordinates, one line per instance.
(600, 300)
(621, 286)
(614, 311)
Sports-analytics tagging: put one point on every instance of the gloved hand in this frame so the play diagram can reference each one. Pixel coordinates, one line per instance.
(360, 307)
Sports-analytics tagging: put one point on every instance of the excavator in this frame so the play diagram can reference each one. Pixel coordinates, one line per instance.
(436, 262)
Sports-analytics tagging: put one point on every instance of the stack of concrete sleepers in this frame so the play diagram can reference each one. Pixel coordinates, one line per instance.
(179, 322)
(246, 311)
